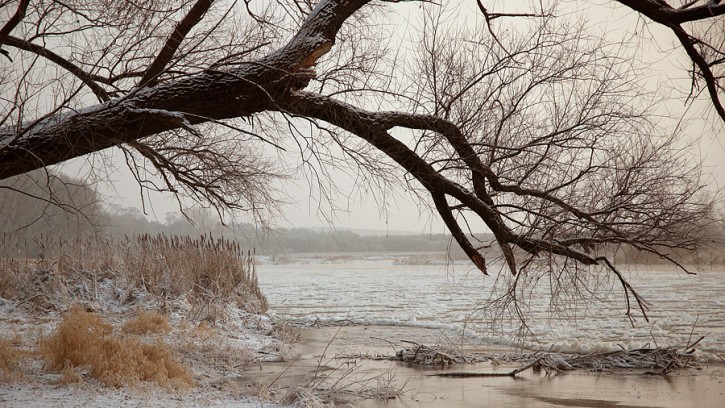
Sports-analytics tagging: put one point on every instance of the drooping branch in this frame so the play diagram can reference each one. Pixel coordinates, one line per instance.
(373, 127)
(446, 214)
(610, 225)
(662, 13)
(705, 68)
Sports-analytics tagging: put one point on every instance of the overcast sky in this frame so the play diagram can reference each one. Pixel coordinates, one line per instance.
(364, 211)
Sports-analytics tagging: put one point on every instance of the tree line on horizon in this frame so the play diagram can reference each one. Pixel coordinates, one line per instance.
(58, 207)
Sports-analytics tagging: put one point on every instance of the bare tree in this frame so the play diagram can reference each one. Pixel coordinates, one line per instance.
(541, 133)
(697, 26)
(43, 203)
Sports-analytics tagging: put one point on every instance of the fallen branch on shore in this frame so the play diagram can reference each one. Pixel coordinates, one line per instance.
(424, 355)
(657, 361)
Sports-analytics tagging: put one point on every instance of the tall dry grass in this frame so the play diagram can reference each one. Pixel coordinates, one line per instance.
(203, 269)
(85, 342)
(51, 274)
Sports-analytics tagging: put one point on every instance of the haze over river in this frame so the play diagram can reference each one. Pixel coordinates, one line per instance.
(390, 290)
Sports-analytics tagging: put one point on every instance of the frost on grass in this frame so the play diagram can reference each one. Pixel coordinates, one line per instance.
(160, 313)
(147, 322)
(85, 342)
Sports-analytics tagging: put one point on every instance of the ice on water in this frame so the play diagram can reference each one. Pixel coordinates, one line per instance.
(381, 290)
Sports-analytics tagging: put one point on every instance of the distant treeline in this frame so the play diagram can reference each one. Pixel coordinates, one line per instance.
(279, 240)
(56, 206)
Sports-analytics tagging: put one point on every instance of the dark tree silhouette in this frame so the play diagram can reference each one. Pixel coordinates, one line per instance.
(539, 131)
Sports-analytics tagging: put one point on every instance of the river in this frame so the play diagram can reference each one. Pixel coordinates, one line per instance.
(423, 291)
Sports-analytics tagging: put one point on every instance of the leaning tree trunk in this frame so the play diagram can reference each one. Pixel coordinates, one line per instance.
(207, 96)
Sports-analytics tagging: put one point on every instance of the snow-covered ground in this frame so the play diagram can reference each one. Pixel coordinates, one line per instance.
(85, 395)
(217, 342)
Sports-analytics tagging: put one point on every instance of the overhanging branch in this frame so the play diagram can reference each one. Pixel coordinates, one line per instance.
(215, 95)
(192, 18)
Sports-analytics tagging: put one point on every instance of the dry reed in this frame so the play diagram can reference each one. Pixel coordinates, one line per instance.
(205, 269)
(84, 341)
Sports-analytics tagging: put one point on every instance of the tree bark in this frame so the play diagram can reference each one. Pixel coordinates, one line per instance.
(209, 95)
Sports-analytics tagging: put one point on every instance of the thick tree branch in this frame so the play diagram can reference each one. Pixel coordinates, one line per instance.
(710, 81)
(192, 18)
(211, 95)
(373, 127)
(445, 212)
(14, 20)
(663, 13)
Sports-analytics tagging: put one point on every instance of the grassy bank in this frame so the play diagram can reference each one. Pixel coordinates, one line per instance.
(119, 313)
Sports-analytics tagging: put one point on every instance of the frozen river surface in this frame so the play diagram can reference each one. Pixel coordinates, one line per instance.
(389, 290)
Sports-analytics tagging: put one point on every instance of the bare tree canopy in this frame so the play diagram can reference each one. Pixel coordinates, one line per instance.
(41, 203)
(540, 130)
(700, 28)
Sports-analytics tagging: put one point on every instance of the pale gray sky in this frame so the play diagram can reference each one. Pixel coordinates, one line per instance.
(363, 211)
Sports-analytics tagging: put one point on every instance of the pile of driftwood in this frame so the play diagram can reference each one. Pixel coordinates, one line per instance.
(656, 361)
(422, 354)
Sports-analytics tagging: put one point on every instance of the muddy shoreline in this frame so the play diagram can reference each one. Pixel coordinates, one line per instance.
(321, 351)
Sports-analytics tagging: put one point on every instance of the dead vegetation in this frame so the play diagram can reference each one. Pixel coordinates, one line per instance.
(205, 270)
(84, 344)
(11, 356)
(122, 313)
(425, 355)
(337, 380)
(147, 322)
(649, 361)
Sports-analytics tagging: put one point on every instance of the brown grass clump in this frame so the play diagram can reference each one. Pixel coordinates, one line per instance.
(84, 341)
(147, 322)
(9, 360)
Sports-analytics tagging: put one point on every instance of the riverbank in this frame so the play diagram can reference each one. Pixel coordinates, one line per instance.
(345, 366)
(153, 353)
(704, 387)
